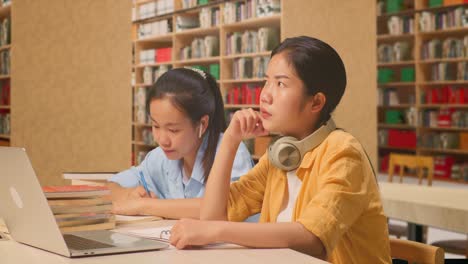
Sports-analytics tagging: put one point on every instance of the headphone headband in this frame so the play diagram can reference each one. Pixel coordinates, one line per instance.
(287, 152)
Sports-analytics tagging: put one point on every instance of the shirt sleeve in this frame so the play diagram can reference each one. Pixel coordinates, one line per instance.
(242, 162)
(341, 200)
(150, 167)
(246, 195)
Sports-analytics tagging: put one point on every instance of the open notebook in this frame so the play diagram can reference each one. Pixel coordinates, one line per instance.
(155, 233)
(163, 234)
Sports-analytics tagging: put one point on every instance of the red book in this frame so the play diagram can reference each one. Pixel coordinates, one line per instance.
(236, 95)
(258, 91)
(401, 139)
(443, 166)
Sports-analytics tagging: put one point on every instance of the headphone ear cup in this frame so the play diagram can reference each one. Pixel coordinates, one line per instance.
(284, 153)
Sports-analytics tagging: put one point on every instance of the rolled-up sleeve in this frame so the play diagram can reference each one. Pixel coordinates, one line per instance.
(341, 200)
(246, 195)
(151, 167)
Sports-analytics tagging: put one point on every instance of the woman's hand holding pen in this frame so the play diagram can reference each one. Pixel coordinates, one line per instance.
(245, 124)
(134, 204)
(139, 192)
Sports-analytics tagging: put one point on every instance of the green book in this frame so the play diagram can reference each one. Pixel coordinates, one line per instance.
(214, 70)
(393, 117)
(407, 74)
(385, 75)
(393, 6)
(435, 3)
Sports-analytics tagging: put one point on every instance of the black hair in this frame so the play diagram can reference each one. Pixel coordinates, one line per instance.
(196, 96)
(319, 67)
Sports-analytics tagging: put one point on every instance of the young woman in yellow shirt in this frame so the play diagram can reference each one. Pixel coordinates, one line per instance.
(316, 192)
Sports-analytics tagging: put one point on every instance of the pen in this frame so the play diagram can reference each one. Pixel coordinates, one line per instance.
(143, 182)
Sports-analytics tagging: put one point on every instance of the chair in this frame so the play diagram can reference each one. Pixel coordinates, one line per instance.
(415, 252)
(411, 162)
(459, 247)
(456, 246)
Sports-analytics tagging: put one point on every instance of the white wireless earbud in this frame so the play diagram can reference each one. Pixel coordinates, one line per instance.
(200, 132)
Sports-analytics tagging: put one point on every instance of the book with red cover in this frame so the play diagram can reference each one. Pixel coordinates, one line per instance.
(71, 191)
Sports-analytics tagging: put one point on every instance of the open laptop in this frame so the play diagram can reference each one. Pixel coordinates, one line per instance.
(30, 221)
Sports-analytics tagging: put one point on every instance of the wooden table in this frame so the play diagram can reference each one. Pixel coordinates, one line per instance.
(440, 207)
(12, 252)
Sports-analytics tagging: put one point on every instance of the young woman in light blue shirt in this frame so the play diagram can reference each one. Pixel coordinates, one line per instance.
(187, 117)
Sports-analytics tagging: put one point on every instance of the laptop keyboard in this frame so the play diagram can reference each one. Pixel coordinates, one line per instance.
(80, 243)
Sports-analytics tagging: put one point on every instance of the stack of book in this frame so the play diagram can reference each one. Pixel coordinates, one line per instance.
(80, 207)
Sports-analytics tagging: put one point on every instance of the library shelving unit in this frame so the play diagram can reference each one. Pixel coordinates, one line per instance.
(5, 47)
(423, 83)
(173, 31)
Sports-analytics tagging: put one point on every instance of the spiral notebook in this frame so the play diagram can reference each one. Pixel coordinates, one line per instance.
(155, 233)
(163, 234)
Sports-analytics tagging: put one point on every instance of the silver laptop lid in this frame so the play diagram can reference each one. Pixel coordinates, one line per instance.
(23, 205)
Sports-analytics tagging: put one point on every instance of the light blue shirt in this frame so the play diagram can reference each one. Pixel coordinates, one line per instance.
(164, 176)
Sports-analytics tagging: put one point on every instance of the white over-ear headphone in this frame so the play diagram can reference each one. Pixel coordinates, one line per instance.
(286, 153)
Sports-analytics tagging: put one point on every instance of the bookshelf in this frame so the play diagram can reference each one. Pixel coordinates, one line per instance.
(175, 31)
(5, 87)
(423, 83)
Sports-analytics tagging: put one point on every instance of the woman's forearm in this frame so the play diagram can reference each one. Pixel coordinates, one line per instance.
(270, 235)
(172, 208)
(214, 202)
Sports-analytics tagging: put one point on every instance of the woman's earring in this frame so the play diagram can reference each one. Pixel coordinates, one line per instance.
(200, 132)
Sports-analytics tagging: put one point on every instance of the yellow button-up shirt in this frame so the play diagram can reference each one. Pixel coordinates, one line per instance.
(339, 200)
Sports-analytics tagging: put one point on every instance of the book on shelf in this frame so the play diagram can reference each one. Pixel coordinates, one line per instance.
(74, 191)
(153, 29)
(5, 32)
(431, 21)
(400, 25)
(155, 8)
(445, 48)
(187, 22)
(209, 17)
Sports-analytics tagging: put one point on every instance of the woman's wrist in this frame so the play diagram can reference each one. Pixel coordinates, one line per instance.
(146, 206)
(218, 233)
(232, 136)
